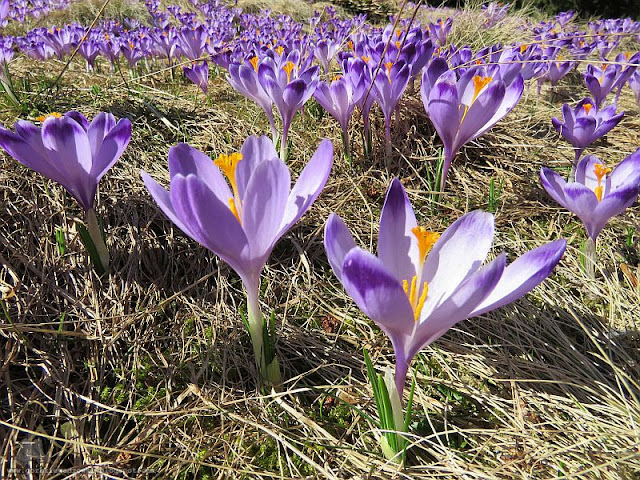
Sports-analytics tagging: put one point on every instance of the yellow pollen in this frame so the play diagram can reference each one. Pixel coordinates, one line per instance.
(581, 43)
(350, 44)
(42, 118)
(131, 45)
(107, 37)
(398, 33)
(587, 108)
(288, 68)
(398, 45)
(478, 84)
(627, 55)
(478, 62)
(254, 62)
(280, 50)
(365, 58)
(426, 241)
(604, 66)
(336, 78)
(523, 47)
(559, 57)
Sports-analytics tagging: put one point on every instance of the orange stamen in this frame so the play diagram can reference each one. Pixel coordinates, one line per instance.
(478, 84)
(42, 118)
(587, 108)
(288, 68)
(279, 50)
(254, 62)
(426, 241)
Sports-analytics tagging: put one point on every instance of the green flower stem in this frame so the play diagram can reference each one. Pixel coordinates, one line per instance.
(95, 232)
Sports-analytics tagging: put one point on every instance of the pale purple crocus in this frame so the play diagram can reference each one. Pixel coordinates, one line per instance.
(465, 108)
(242, 220)
(73, 152)
(586, 123)
(340, 98)
(421, 284)
(603, 80)
(198, 73)
(244, 78)
(388, 87)
(289, 89)
(597, 194)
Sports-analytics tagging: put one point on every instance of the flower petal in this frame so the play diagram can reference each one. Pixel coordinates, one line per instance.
(338, 241)
(254, 151)
(458, 254)
(111, 147)
(310, 183)
(523, 275)
(163, 199)
(458, 306)
(185, 160)
(210, 222)
(377, 292)
(397, 245)
(264, 204)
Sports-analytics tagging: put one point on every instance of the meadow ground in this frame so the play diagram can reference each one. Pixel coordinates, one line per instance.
(149, 373)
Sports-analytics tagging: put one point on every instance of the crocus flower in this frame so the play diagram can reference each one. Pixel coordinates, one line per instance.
(198, 73)
(598, 193)
(74, 153)
(244, 78)
(340, 99)
(388, 87)
(603, 80)
(69, 150)
(241, 221)
(421, 284)
(288, 87)
(585, 124)
(465, 108)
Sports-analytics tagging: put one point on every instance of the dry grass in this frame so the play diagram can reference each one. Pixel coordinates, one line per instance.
(149, 374)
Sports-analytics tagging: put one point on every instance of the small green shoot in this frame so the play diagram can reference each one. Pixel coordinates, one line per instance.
(630, 234)
(434, 177)
(494, 195)
(61, 241)
(393, 442)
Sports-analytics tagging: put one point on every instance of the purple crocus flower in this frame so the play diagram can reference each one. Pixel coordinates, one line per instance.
(69, 150)
(421, 284)
(388, 87)
(198, 73)
(288, 88)
(585, 124)
(74, 153)
(241, 224)
(465, 108)
(603, 80)
(598, 193)
(244, 78)
(340, 98)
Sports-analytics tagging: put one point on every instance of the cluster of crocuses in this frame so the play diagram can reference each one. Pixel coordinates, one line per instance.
(240, 204)
(20, 10)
